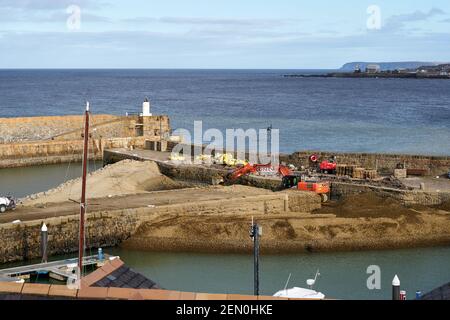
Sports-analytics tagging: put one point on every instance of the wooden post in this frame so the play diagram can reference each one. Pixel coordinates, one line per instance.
(255, 233)
(83, 191)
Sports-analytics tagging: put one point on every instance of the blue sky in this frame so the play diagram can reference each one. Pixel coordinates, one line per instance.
(219, 34)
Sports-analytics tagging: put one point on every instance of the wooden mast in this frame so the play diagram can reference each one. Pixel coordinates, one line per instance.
(83, 191)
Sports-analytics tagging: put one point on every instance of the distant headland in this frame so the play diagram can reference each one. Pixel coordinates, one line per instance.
(411, 69)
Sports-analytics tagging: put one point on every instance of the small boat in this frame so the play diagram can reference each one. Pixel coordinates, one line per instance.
(301, 293)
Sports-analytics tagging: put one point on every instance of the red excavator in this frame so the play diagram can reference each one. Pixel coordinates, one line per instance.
(326, 166)
(290, 180)
(261, 168)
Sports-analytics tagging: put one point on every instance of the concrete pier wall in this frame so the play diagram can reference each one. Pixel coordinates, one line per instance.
(384, 163)
(49, 140)
(62, 127)
(105, 229)
(24, 154)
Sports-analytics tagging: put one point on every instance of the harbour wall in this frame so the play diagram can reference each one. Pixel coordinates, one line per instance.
(209, 175)
(63, 127)
(384, 163)
(24, 154)
(49, 140)
(109, 228)
(196, 173)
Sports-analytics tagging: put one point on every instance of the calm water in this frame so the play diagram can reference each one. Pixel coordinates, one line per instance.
(20, 182)
(373, 115)
(343, 275)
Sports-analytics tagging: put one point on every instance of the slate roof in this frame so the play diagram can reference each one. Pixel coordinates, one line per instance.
(441, 293)
(125, 277)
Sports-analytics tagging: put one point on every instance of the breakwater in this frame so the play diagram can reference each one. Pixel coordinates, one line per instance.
(111, 227)
(49, 140)
(383, 163)
(25, 154)
(387, 163)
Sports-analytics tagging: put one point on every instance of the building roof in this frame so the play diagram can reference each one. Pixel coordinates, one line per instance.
(113, 281)
(441, 293)
(125, 277)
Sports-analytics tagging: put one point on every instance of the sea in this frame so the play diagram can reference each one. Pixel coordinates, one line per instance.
(333, 114)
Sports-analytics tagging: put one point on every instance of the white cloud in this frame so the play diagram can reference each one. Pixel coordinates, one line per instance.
(25, 5)
(157, 49)
(399, 22)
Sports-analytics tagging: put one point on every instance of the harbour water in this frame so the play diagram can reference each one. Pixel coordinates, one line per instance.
(343, 275)
(20, 182)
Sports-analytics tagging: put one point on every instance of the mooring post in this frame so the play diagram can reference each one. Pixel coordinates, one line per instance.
(101, 257)
(44, 243)
(396, 288)
(255, 233)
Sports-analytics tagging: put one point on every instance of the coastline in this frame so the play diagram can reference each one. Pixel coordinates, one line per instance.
(353, 75)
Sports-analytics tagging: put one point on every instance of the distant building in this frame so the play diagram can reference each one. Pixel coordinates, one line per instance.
(373, 68)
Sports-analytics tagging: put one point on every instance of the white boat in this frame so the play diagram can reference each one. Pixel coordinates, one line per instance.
(301, 293)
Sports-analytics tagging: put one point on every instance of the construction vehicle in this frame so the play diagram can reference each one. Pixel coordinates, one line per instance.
(289, 181)
(7, 203)
(326, 166)
(322, 188)
(259, 168)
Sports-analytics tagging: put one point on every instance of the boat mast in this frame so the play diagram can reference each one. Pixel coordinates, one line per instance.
(83, 191)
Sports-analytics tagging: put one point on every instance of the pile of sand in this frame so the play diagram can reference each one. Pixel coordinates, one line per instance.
(122, 178)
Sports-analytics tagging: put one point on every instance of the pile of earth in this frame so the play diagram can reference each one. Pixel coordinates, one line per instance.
(367, 205)
(444, 206)
(122, 178)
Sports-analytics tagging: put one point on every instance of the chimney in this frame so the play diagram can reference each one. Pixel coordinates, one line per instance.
(146, 108)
